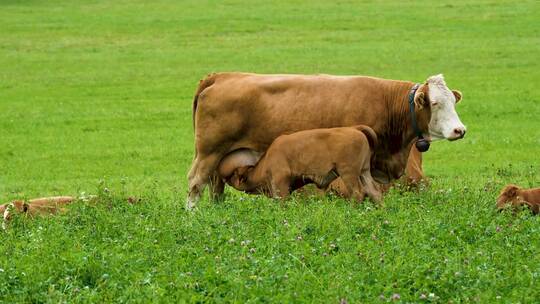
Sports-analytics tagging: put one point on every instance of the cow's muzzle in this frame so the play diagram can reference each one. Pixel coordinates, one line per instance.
(458, 133)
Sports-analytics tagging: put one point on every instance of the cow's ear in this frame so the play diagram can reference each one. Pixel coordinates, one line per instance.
(457, 94)
(421, 100)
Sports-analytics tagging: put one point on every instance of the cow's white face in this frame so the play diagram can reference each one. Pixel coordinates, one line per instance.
(444, 123)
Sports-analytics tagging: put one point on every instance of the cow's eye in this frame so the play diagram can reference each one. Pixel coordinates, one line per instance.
(434, 102)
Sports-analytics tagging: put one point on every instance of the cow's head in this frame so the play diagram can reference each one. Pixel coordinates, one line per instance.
(444, 122)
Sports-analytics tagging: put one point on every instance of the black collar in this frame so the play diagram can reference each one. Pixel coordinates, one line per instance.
(421, 143)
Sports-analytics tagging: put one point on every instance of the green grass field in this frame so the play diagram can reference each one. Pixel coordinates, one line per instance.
(95, 97)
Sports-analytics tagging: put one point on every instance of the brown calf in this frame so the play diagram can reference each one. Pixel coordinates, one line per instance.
(315, 156)
(35, 207)
(515, 196)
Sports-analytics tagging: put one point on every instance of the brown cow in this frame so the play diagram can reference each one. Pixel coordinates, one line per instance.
(515, 196)
(234, 111)
(316, 156)
(35, 207)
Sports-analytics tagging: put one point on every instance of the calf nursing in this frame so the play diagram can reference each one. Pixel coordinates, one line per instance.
(317, 156)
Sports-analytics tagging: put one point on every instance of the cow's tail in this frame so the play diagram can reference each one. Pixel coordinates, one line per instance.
(370, 134)
(203, 84)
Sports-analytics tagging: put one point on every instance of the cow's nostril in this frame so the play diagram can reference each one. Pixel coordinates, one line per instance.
(460, 132)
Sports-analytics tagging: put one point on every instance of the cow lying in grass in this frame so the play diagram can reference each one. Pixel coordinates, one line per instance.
(317, 156)
(35, 207)
(514, 196)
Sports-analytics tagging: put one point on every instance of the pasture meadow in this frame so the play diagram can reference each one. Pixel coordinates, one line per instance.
(95, 98)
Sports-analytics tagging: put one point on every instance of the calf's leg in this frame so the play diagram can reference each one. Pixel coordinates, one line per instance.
(368, 184)
(280, 186)
(352, 184)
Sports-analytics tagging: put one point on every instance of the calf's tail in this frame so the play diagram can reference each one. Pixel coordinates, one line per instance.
(370, 134)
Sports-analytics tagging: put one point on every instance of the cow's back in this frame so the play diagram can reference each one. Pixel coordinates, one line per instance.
(241, 110)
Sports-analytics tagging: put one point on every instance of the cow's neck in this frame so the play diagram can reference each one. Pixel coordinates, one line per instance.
(397, 132)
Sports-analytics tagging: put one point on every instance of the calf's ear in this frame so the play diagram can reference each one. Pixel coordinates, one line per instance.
(19, 206)
(457, 94)
(511, 191)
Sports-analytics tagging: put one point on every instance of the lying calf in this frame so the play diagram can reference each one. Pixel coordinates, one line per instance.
(514, 196)
(34, 207)
(316, 156)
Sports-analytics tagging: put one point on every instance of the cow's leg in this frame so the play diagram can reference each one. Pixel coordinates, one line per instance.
(200, 175)
(217, 187)
(368, 184)
(193, 169)
(194, 193)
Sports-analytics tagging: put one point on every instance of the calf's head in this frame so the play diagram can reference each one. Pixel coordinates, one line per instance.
(444, 122)
(8, 209)
(513, 196)
(238, 179)
(508, 196)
